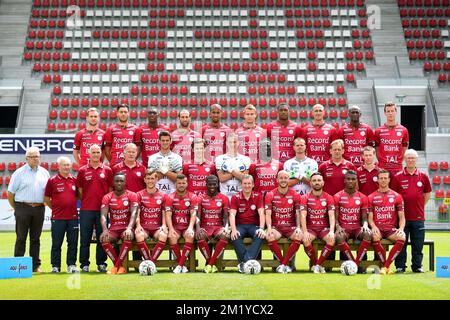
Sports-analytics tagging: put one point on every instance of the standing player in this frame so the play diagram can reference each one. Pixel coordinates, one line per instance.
(232, 167)
(247, 219)
(85, 138)
(300, 168)
(250, 134)
(94, 181)
(118, 135)
(318, 136)
(181, 214)
(282, 133)
(368, 172)
(183, 136)
(387, 220)
(215, 134)
(351, 212)
(282, 207)
(212, 222)
(197, 171)
(391, 140)
(356, 136)
(149, 134)
(166, 163)
(120, 206)
(317, 220)
(150, 222)
(134, 171)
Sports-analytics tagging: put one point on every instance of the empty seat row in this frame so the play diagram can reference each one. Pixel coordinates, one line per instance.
(434, 165)
(424, 23)
(424, 12)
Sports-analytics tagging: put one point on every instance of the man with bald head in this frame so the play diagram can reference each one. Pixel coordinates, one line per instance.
(149, 135)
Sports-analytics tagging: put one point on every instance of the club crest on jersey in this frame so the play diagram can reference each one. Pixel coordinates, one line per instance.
(419, 184)
(375, 179)
(191, 139)
(363, 133)
(73, 188)
(325, 132)
(266, 207)
(222, 134)
(291, 131)
(102, 175)
(344, 171)
(138, 174)
(218, 203)
(99, 138)
(324, 203)
(253, 207)
(187, 203)
(257, 135)
(158, 201)
(130, 132)
(391, 200)
(274, 168)
(290, 201)
(125, 203)
(358, 202)
(207, 169)
(399, 133)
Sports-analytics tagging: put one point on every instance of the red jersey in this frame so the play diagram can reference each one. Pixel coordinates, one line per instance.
(283, 207)
(385, 208)
(367, 180)
(212, 210)
(117, 137)
(149, 140)
(333, 175)
(265, 175)
(355, 139)
(390, 142)
(317, 209)
(181, 144)
(134, 177)
(318, 139)
(196, 175)
(119, 208)
(216, 139)
(95, 184)
(181, 208)
(64, 197)
(412, 188)
(350, 208)
(247, 210)
(249, 141)
(84, 139)
(151, 209)
(282, 138)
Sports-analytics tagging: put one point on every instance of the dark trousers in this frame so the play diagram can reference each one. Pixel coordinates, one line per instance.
(415, 232)
(89, 220)
(59, 229)
(29, 219)
(244, 254)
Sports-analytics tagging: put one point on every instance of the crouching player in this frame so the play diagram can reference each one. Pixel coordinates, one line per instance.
(181, 214)
(150, 221)
(282, 206)
(317, 219)
(352, 209)
(121, 205)
(387, 220)
(212, 222)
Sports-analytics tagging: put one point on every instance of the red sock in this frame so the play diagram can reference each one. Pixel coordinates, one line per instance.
(326, 251)
(143, 249)
(398, 246)
(157, 250)
(379, 251)
(186, 251)
(311, 253)
(293, 248)
(110, 252)
(204, 249)
(345, 249)
(220, 247)
(126, 246)
(362, 251)
(275, 248)
(176, 251)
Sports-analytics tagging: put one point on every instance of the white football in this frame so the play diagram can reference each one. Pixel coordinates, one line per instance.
(252, 267)
(147, 268)
(349, 268)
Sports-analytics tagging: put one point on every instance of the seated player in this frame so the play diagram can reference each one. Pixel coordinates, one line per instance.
(351, 209)
(317, 219)
(212, 222)
(282, 206)
(387, 220)
(121, 205)
(181, 214)
(150, 222)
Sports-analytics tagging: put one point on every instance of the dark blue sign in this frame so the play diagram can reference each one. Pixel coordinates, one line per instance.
(47, 144)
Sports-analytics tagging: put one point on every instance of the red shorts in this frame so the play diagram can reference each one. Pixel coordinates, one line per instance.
(386, 233)
(180, 230)
(353, 233)
(117, 234)
(213, 231)
(150, 232)
(285, 231)
(319, 233)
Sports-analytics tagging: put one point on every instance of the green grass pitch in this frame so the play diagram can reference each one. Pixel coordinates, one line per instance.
(302, 285)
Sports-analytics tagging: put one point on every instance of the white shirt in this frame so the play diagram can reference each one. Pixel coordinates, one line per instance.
(28, 185)
(301, 168)
(228, 163)
(173, 161)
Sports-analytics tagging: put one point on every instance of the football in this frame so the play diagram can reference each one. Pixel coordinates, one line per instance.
(252, 267)
(349, 268)
(147, 268)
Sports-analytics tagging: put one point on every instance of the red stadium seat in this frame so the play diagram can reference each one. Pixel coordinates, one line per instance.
(447, 180)
(443, 165)
(433, 166)
(437, 180)
(439, 194)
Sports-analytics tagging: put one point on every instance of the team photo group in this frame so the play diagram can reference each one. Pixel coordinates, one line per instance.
(300, 181)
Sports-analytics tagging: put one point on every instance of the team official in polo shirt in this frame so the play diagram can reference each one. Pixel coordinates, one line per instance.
(133, 170)
(26, 197)
(94, 181)
(61, 197)
(415, 188)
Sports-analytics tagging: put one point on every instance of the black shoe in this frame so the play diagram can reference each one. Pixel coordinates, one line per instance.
(328, 269)
(420, 270)
(400, 270)
(361, 270)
